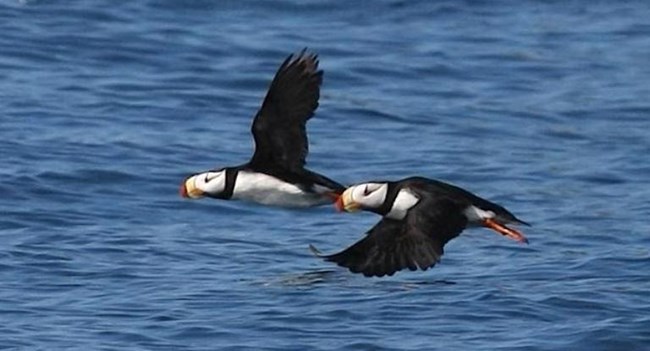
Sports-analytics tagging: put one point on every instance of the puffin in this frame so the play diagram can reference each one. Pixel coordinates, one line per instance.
(276, 174)
(420, 216)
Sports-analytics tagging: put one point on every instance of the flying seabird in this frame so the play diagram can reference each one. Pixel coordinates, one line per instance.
(420, 216)
(276, 175)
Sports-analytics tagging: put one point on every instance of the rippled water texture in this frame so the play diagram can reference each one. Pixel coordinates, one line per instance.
(107, 105)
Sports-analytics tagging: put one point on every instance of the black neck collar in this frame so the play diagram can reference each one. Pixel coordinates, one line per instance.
(231, 178)
(391, 194)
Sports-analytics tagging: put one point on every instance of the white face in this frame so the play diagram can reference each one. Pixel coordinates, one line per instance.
(208, 182)
(369, 195)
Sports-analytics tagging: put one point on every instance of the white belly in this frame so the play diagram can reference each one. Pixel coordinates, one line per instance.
(267, 190)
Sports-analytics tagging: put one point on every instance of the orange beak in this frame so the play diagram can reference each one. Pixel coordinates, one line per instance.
(338, 204)
(345, 203)
(183, 190)
(189, 190)
(503, 230)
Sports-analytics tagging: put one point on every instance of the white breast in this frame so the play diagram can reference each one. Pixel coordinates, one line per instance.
(404, 200)
(267, 190)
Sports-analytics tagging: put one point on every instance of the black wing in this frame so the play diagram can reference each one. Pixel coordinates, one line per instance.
(279, 126)
(415, 242)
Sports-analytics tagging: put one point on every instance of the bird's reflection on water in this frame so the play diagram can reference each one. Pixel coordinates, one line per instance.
(343, 278)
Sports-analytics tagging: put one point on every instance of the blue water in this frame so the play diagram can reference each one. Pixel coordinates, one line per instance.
(107, 105)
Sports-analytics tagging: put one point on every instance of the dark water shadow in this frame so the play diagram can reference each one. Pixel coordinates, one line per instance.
(342, 278)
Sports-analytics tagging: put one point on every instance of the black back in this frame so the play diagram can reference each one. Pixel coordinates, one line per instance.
(432, 187)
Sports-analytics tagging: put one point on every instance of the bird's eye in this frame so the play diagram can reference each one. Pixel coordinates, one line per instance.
(210, 176)
(366, 192)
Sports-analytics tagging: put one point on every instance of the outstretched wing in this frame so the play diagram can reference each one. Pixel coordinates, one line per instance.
(279, 126)
(414, 242)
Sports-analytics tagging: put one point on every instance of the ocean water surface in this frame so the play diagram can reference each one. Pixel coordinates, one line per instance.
(107, 106)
